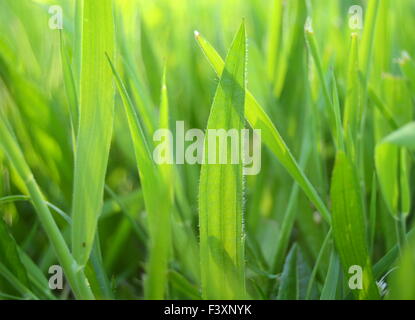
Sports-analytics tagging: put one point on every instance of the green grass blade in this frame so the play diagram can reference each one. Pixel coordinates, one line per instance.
(70, 88)
(386, 159)
(221, 187)
(289, 278)
(372, 214)
(294, 277)
(37, 278)
(317, 263)
(331, 282)
(368, 36)
(349, 229)
(337, 116)
(352, 108)
(258, 119)
(154, 189)
(403, 137)
(182, 285)
(315, 53)
(274, 38)
(95, 124)
(387, 261)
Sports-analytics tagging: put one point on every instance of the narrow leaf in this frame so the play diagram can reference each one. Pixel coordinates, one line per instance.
(95, 124)
(349, 229)
(221, 186)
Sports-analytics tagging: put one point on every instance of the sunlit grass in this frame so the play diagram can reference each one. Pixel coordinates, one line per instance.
(79, 186)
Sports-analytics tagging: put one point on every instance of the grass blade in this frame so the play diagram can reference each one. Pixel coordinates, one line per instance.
(349, 225)
(403, 137)
(352, 108)
(289, 278)
(95, 124)
(154, 189)
(221, 187)
(258, 119)
(330, 285)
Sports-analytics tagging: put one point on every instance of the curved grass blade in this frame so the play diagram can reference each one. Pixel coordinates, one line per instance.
(258, 119)
(95, 124)
(349, 229)
(36, 277)
(403, 137)
(154, 189)
(221, 186)
(386, 262)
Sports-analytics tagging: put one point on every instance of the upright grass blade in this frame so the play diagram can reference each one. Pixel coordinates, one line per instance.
(386, 159)
(274, 38)
(352, 108)
(76, 277)
(221, 186)
(95, 124)
(166, 168)
(349, 229)
(317, 263)
(372, 214)
(331, 282)
(154, 189)
(314, 51)
(70, 88)
(368, 36)
(393, 167)
(294, 277)
(289, 278)
(337, 115)
(258, 119)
